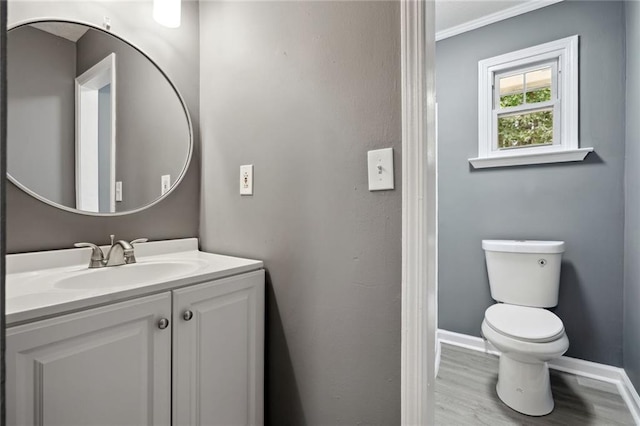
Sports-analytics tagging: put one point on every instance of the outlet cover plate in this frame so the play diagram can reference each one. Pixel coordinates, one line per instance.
(246, 179)
(380, 168)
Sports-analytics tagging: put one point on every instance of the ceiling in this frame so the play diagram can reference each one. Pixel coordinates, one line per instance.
(449, 14)
(70, 31)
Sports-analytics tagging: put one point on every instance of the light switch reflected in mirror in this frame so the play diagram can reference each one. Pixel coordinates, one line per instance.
(94, 126)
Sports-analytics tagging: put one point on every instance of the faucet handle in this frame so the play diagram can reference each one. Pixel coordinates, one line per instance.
(97, 252)
(129, 255)
(97, 255)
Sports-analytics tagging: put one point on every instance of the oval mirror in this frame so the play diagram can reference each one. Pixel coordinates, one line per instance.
(94, 126)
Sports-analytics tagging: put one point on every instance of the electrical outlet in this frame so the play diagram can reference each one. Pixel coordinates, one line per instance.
(165, 181)
(246, 179)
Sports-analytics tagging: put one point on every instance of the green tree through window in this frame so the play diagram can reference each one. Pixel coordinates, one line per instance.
(534, 128)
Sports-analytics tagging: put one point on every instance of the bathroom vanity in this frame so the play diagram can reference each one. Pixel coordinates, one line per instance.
(171, 335)
(177, 338)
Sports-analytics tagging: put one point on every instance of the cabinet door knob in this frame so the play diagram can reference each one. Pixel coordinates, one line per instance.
(187, 315)
(163, 323)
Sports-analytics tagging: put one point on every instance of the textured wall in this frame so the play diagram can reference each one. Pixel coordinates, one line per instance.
(631, 340)
(32, 225)
(302, 90)
(40, 100)
(581, 203)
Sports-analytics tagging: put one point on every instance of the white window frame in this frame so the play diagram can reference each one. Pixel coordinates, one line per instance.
(564, 54)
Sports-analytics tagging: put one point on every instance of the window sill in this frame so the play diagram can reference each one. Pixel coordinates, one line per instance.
(530, 158)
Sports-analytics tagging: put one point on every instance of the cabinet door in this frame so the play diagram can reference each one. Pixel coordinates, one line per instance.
(218, 352)
(104, 366)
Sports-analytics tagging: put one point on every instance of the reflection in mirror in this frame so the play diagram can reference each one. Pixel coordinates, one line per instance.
(94, 125)
(95, 137)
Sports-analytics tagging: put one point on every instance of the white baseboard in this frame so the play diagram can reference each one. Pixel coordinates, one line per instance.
(630, 396)
(466, 341)
(567, 364)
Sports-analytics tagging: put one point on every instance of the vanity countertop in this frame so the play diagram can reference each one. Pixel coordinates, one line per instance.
(44, 284)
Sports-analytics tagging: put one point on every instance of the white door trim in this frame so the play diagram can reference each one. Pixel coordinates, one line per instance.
(87, 86)
(418, 212)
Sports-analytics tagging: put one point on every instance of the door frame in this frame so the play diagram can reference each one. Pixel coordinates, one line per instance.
(87, 86)
(419, 247)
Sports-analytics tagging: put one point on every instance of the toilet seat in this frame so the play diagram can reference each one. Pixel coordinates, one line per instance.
(524, 323)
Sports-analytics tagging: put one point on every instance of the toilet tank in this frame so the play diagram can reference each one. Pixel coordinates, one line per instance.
(524, 273)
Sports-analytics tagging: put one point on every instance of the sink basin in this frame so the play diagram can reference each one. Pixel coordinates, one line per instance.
(44, 284)
(127, 275)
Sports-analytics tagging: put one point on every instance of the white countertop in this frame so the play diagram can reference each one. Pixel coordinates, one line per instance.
(31, 292)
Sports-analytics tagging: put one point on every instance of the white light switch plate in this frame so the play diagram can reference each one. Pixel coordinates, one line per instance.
(380, 169)
(119, 190)
(246, 179)
(165, 184)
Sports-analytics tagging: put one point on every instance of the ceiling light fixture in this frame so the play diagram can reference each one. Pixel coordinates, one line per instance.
(167, 12)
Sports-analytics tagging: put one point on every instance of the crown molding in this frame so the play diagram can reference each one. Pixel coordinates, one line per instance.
(520, 9)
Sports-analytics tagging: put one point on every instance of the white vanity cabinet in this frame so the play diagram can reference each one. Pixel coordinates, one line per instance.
(218, 352)
(103, 366)
(113, 365)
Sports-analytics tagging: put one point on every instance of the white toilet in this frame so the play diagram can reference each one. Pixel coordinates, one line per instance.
(525, 277)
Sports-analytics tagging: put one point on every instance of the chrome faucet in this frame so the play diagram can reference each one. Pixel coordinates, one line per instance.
(120, 253)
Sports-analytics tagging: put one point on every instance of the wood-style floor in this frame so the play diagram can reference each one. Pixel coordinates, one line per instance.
(466, 395)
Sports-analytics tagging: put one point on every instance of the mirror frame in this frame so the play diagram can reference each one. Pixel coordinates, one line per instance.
(173, 86)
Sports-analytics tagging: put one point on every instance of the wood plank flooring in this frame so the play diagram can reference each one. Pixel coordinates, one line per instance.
(466, 395)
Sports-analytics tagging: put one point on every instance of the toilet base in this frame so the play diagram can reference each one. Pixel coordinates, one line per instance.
(525, 386)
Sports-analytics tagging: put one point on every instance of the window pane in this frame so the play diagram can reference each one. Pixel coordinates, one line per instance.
(539, 95)
(538, 85)
(527, 129)
(511, 100)
(511, 90)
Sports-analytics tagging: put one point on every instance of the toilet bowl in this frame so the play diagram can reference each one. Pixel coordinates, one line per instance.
(524, 277)
(527, 338)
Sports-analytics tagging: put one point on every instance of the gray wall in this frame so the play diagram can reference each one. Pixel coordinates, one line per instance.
(302, 90)
(631, 340)
(40, 99)
(582, 203)
(152, 131)
(32, 225)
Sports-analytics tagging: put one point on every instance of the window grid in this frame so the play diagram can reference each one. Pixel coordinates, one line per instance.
(526, 108)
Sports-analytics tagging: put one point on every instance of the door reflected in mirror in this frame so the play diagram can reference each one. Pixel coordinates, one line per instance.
(94, 125)
(96, 137)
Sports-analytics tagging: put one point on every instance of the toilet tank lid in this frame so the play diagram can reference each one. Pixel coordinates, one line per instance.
(523, 246)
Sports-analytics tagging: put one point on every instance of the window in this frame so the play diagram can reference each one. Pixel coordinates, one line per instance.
(528, 106)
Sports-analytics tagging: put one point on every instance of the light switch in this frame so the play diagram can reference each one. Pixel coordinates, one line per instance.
(246, 179)
(119, 190)
(380, 169)
(165, 184)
